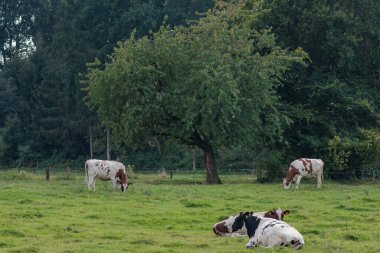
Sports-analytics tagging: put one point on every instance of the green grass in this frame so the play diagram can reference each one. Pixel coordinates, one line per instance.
(159, 214)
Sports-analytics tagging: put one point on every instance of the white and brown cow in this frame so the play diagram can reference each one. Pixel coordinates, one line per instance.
(268, 232)
(227, 227)
(304, 167)
(106, 170)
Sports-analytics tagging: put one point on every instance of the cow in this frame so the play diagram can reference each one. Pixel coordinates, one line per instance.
(268, 232)
(106, 170)
(224, 228)
(304, 167)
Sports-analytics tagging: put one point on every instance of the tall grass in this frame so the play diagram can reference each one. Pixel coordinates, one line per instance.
(159, 214)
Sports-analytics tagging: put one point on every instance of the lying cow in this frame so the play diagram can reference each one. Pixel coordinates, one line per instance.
(106, 170)
(225, 227)
(304, 167)
(268, 232)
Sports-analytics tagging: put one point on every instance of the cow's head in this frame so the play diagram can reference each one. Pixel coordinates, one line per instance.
(220, 228)
(293, 171)
(230, 225)
(122, 179)
(251, 222)
(286, 183)
(239, 221)
(277, 214)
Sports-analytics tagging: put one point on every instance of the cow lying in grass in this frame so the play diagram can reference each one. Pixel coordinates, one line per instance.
(268, 232)
(227, 228)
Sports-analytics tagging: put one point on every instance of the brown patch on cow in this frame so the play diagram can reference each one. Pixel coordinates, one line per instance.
(120, 174)
(307, 164)
(291, 174)
(271, 214)
(220, 229)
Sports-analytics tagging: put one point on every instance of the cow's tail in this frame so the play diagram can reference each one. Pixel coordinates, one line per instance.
(85, 172)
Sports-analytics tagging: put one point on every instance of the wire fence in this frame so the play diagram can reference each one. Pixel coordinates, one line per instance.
(365, 175)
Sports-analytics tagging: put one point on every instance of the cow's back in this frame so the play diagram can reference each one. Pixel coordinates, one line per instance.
(117, 165)
(273, 233)
(103, 169)
(307, 167)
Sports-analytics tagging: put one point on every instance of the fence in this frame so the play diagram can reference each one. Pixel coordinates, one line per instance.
(360, 174)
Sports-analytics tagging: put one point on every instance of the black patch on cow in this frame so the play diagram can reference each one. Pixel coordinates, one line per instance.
(239, 222)
(251, 223)
(265, 228)
(282, 244)
(108, 171)
(292, 242)
(271, 224)
(283, 226)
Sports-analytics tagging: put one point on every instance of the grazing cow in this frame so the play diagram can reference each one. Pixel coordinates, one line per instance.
(268, 232)
(106, 170)
(225, 227)
(304, 167)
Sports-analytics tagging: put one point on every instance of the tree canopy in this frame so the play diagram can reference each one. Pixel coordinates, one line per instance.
(211, 84)
(229, 78)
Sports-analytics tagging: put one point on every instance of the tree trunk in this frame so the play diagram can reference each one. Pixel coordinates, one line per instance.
(108, 143)
(211, 170)
(91, 150)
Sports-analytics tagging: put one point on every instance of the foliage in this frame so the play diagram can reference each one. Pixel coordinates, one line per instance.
(339, 153)
(52, 42)
(44, 46)
(337, 94)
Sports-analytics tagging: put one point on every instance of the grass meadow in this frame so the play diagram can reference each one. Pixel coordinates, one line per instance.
(159, 214)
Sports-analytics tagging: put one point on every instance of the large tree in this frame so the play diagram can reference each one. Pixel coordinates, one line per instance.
(208, 85)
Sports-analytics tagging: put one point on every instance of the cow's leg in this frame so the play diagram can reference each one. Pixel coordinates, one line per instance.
(298, 180)
(91, 182)
(251, 243)
(114, 183)
(319, 180)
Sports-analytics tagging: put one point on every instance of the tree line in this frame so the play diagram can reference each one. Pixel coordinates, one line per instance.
(226, 84)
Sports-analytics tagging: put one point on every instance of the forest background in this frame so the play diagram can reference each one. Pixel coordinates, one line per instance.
(326, 107)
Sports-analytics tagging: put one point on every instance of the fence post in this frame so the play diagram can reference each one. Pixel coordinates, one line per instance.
(47, 173)
(68, 172)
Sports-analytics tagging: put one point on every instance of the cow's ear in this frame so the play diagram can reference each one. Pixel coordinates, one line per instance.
(287, 212)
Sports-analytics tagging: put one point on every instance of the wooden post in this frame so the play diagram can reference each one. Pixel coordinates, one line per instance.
(48, 173)
(68, 172)
(194, 159)
(258, 171)
(171, 174)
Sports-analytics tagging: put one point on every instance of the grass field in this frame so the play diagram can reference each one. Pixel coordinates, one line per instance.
(159, 214)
